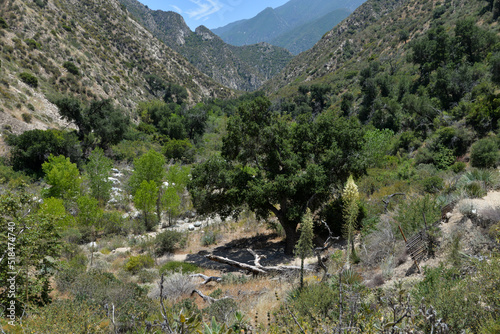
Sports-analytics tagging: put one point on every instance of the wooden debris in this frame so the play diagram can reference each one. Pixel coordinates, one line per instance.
(208, 299)
(257, 268)
(207, 278)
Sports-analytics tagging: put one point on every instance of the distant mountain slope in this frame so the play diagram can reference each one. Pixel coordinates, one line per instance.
(270, 24)
(305, 36)
(88, 48)
(384, 33)
(241, 68)
(366, 31)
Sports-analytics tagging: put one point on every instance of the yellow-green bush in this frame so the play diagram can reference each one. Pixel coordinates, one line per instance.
(136, 263)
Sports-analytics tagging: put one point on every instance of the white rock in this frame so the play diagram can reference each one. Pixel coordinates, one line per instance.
(114, 180)
(191, 227)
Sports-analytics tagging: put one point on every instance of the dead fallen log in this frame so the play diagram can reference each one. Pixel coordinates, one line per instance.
(207, 279)
(208, 299)
(257, 268)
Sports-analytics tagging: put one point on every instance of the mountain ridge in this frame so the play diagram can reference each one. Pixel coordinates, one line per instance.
(235, 67)
(91, 49)
(270, 24)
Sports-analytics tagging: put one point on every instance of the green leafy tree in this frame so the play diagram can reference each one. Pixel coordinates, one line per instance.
(89, 219)
(99, 124)
(145, 199)
(32, 148)
(377, 145)
(167, 118)
(278, 166)
(98, 169)
(178, 149)
(195, 120)
(63, 177)
(71, 109)
(304, 247)
(107, 122)
(171, 200)
(155, 85)
(89, 213)
(54, 208)
(175, 93)
(33, 237)
(149, 167)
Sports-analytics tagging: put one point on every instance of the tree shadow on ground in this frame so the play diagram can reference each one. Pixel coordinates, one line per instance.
(237, 250)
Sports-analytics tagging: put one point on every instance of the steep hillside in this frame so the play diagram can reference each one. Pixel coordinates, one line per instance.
(377, 30)
(278, 26)
(352, 38)
(91, 49)
(241, 68)
(305, 36)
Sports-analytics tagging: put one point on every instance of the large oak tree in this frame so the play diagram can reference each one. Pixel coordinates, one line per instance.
(277, 165)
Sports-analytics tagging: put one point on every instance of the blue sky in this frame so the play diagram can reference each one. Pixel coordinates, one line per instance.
(213, 13)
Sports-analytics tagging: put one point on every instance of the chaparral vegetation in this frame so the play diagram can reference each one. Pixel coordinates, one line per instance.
(355, 191)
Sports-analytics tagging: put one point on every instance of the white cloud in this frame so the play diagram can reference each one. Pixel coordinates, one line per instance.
(177, 9)
(205, 8)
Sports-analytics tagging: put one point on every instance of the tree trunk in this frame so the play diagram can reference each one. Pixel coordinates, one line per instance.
(291, 235)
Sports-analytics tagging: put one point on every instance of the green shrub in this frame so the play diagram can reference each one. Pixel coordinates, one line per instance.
(128, 150)
(179, 149)
(222, 310)
(100, 288)
(136, 263)
(433, 184)
(40, 3)
(458, 167)
(477, 181)
(464, 302)
(475, 190)
(167, 242)
(209, 238)
(147, 276)
(113, 223)
(177, 266)
(32, 44)
(411, 211)
(65, 316)
(315, 300)
(484, 153)
(29, 79)
(3, 23)
(71, 67)
(231, 278)
(26, 117)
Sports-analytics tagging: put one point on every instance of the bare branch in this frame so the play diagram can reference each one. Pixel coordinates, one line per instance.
(208, 299)
(255, 269)
(387, 199)
(207, 278)
(244, 266)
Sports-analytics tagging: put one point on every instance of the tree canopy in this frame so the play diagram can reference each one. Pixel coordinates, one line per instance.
(277, 165)
(100, 123)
